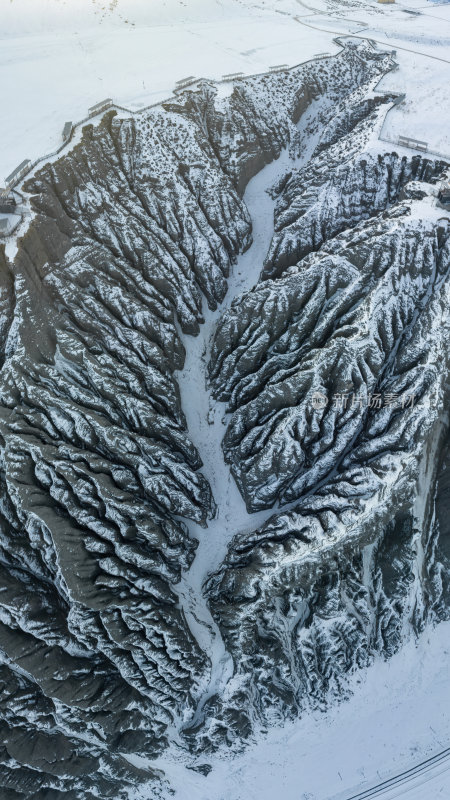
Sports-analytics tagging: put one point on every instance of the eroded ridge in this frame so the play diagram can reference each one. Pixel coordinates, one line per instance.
(334, 368)
(133, 230)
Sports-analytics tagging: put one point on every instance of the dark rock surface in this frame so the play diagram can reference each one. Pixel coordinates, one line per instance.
(334, 369)
(133, 229)
(337, 327)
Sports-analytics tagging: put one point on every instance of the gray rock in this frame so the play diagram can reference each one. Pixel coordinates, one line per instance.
(134, 229)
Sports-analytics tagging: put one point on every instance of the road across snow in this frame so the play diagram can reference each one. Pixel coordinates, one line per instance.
(58, 59)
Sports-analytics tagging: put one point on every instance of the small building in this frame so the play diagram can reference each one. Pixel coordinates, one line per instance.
(415, 144)
(99, 107)
(67, 131)
(7, 202)
(386, 1)
(17, 174)
(444, 194)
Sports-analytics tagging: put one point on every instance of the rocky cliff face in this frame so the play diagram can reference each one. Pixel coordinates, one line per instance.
(133, 230)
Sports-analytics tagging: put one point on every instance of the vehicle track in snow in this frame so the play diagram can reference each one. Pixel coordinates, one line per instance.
(366, 27)
(409, 783)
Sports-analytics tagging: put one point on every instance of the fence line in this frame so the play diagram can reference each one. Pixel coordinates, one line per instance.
(176, 91)
(424, 152)
(225, 79)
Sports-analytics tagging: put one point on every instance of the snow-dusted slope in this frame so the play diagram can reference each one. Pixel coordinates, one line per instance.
(110, 442)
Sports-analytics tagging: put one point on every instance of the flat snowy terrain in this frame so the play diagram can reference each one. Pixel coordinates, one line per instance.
(397, 717)
(57, 58)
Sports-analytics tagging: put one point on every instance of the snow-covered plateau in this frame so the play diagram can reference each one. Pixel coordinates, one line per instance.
(224, 396)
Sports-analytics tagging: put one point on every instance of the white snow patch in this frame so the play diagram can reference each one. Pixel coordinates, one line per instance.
(397, 717)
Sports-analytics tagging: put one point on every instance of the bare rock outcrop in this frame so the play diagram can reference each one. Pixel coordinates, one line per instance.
(133, 230)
